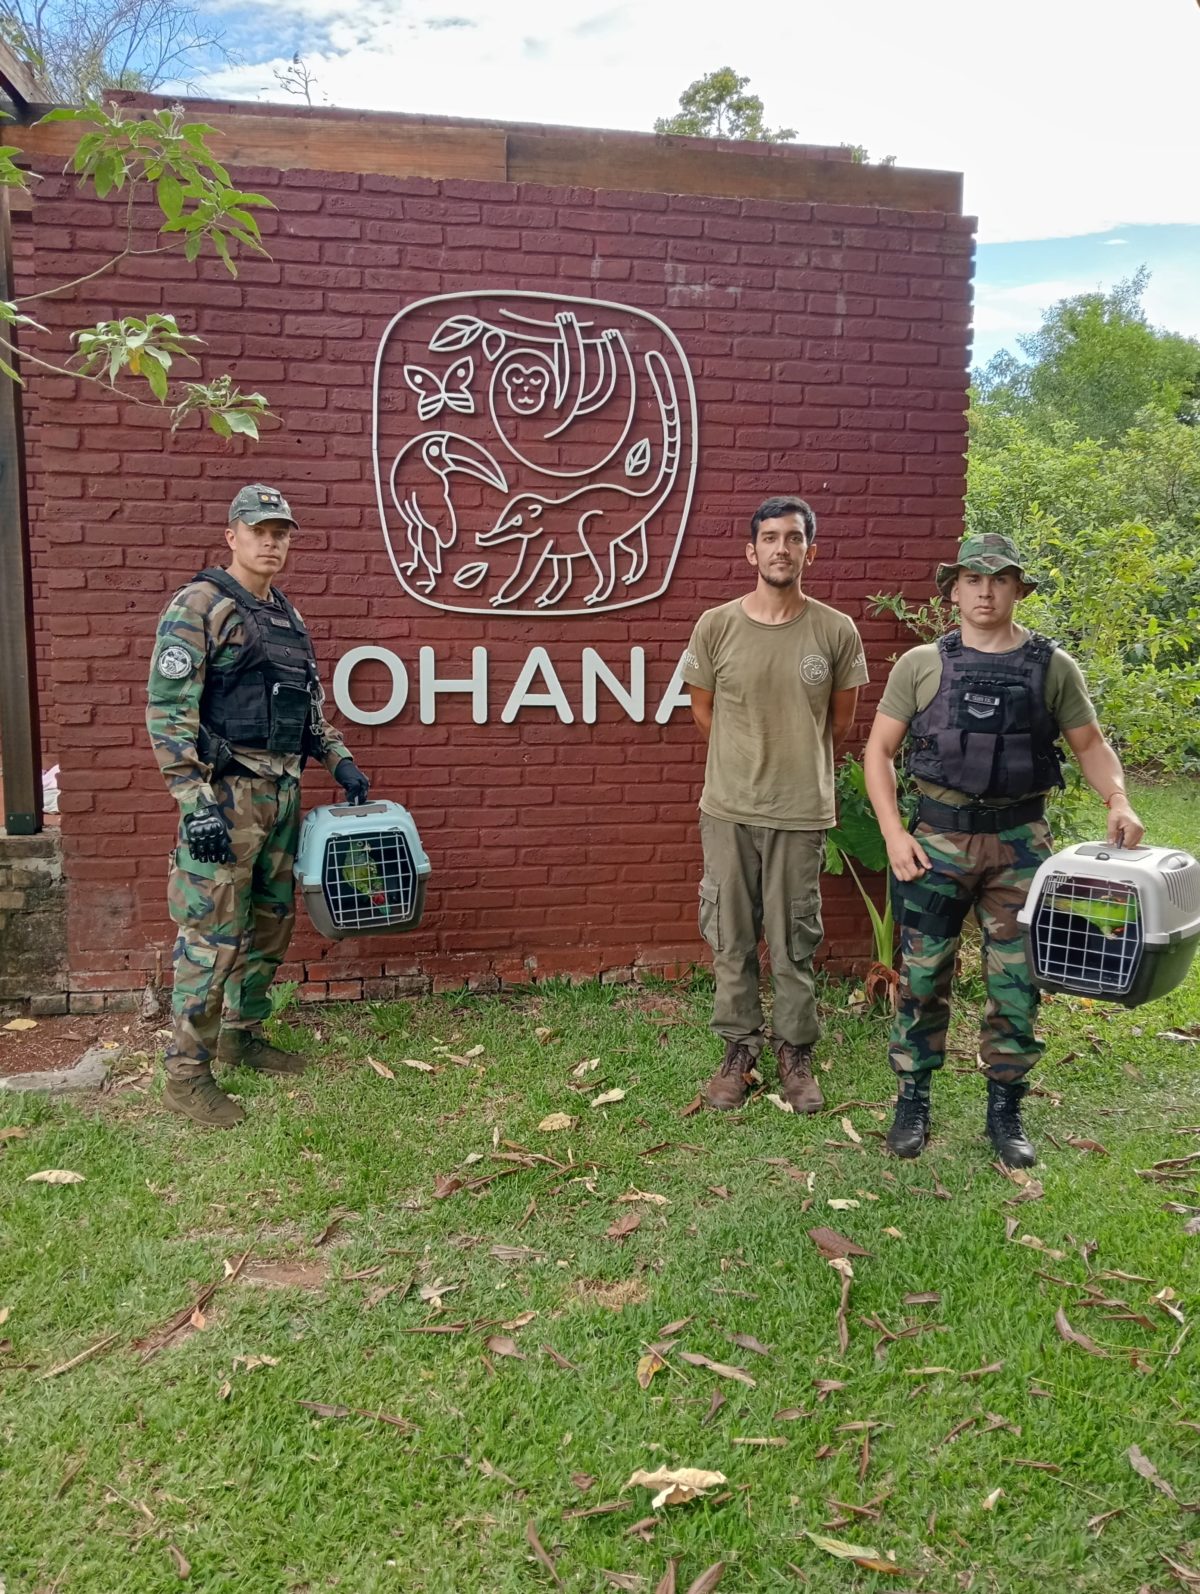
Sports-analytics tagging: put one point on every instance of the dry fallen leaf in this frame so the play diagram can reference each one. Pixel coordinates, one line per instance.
(649, 1197)
(381, 1069)
(778, 1101)
(923, 1298)
(990, 1503)
(832, 1244)
(251, 1362)
(722, 1369)
(606, 1097)
(535, 1545)
(850, 1132)
(843, 1204)
(708, 1579)
(676, 1485)
(517, 1253)
(556, 1121)
(13, 1133)
(415, 1062)
(22, 1023)
(1145, 1468)
(54, 1176)
(748, 1342)
(182, 1565)
(673, 1327)
(666, 1583)
(1074, 1337)
(503, 1345)
(585, 1067)
(647, 1367)
(861, 1554)
(775, 1443)
(622, 1226)
(625, 1580)
(1087, 1145)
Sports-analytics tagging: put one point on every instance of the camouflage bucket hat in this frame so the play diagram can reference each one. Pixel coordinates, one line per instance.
(256, 502)
(986, 555)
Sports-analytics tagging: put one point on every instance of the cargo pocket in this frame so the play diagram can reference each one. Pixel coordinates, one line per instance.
(804, 927)
(710, 913)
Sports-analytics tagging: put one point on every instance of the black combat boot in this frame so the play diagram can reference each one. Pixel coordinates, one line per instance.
(1004, 1126)
(910, 1126)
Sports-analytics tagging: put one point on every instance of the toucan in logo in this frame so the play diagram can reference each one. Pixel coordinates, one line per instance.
(534, 453)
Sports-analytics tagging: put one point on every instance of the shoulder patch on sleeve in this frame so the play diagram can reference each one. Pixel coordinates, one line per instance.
(174, 662)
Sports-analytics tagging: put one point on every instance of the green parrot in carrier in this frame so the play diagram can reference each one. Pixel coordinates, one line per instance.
(1112, 916)
(361, 873)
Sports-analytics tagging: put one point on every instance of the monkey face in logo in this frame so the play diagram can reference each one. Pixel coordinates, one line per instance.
(525, 387)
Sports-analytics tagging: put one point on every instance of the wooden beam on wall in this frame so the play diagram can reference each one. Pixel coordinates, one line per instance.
(18, 80)
(681, 166)
(401, 146)
(330, 144)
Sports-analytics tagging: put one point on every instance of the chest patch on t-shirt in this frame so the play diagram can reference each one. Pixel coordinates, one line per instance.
(814, 668)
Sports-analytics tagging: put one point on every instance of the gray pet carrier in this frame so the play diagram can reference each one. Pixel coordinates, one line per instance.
(1120, 925)
(361, 869)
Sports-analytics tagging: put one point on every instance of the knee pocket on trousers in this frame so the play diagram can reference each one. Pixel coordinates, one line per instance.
(710, 913)
(804, 926)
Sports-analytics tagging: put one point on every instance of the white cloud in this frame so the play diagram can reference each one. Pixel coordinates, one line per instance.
(1065, 120)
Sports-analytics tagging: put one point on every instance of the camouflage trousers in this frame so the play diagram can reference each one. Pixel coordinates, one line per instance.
(235, 920)
(992, 874)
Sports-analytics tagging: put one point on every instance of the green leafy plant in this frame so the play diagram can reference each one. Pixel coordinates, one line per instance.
(857, 835)
(169, 158)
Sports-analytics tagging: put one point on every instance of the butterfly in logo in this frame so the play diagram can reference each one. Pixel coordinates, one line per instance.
(435, 393)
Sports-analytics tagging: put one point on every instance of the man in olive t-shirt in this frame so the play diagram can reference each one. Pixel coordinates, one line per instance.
(774, 680)
(982, 709)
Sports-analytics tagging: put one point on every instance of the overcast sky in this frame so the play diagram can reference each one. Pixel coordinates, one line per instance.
(1067, 117)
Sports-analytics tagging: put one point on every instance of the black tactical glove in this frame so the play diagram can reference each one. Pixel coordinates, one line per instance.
(208, 836)
(352, 781)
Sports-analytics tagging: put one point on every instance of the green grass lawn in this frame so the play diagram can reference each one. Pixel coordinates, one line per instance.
(120, 1474)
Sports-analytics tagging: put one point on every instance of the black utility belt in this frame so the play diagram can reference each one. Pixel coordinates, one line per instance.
(979, 821)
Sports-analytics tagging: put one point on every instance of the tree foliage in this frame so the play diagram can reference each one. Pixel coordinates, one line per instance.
(83, 49)
(717, 106)
(1098, 363)
(169, 161)
(1087, 455)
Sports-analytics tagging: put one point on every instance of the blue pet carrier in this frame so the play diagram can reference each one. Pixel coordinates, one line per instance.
(1120, 925)
(361, 869)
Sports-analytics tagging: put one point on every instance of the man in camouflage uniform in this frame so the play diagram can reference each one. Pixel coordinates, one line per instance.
(234, 709)
(983, 709)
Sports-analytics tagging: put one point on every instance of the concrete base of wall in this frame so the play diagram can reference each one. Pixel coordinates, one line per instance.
(33, 921)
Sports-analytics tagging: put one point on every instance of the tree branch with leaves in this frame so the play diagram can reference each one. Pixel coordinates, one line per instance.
(170, 160)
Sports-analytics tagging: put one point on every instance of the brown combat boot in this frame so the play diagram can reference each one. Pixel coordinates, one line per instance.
(203, 1101)
(800, 1090)
(730, 1085)
(245, 1048)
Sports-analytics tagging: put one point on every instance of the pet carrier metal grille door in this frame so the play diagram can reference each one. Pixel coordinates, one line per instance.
(369, 877)
(1087, 934)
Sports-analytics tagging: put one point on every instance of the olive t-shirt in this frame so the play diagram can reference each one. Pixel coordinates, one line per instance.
(917, 674)
(770, 753)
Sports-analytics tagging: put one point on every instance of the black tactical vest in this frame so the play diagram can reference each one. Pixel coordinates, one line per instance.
(988, 731)
(266, 697)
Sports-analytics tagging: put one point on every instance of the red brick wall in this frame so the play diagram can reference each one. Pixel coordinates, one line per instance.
(828, 345)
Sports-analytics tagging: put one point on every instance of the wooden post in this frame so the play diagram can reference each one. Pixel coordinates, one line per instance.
(20, 726)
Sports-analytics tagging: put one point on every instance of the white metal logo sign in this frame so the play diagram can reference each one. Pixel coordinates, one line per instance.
(535, 453)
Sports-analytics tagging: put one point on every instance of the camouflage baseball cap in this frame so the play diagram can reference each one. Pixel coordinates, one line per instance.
(987, 555)
(256, 502)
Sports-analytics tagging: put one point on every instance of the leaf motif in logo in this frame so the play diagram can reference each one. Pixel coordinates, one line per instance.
(471, 575)
(493, 343)
(456, 333)
(637, 461)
